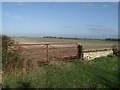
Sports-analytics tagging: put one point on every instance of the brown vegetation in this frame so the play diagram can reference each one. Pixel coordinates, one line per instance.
(11, 56)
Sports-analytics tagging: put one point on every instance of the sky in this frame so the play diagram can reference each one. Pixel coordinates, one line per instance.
(66, 19)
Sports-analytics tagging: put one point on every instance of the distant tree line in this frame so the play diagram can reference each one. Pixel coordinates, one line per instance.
(58, 37)
(112, 39)
(107, 39)
(49, 37)
(70, 38)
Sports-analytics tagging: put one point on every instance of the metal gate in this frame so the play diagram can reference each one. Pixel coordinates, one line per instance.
(47, 52)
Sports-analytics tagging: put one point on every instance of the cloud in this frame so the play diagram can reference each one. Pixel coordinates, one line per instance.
(93, 25)
(32, 19)
(20, 3)
(7, 14)
(91, 5)
(18, 17)
(71, 28)
(105, 6)
(109, 5)
(68, 27)
(97, 28)
(61, 0)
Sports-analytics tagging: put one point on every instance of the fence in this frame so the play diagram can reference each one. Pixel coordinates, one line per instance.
(53, 51)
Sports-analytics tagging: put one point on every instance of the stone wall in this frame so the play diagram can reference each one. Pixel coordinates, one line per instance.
(93, 55)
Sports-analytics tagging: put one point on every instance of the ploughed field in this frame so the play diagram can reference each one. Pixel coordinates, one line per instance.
(87, 44)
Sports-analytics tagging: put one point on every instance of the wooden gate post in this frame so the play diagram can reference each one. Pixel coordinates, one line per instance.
(80, 52)
(47, 52)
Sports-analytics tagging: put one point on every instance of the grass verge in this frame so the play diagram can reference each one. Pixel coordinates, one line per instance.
(99, 73)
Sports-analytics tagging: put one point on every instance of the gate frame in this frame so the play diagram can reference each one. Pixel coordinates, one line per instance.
(78, 48)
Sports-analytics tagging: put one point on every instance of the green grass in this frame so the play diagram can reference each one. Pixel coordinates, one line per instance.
(99, 73)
